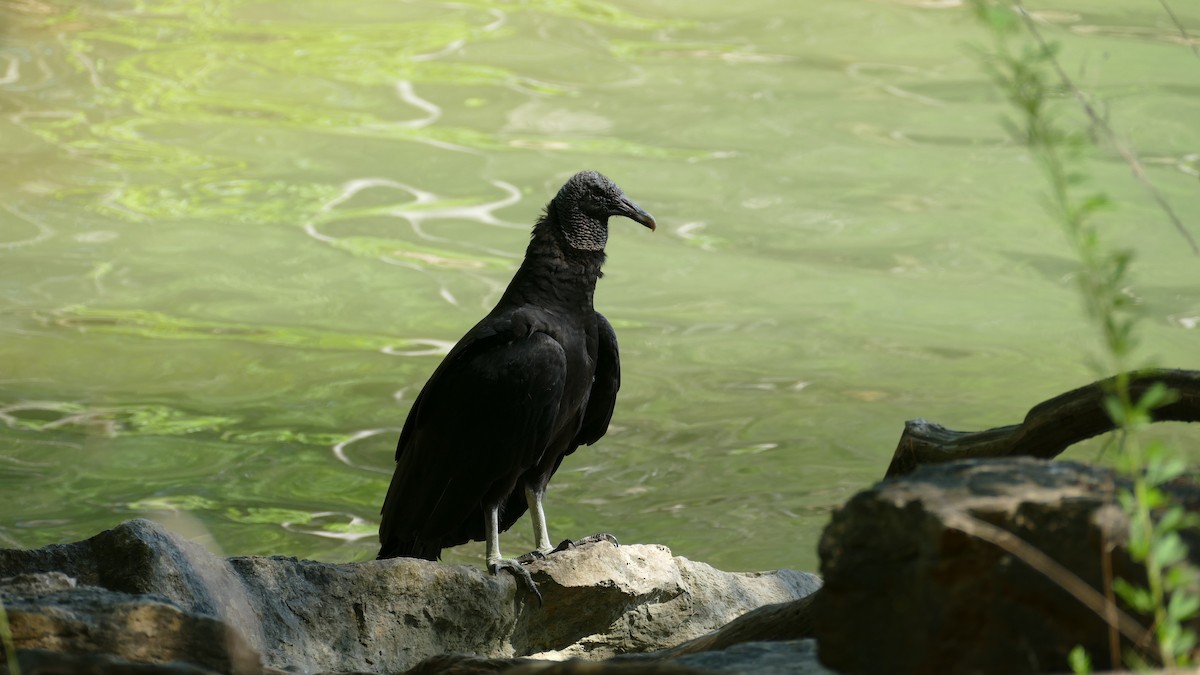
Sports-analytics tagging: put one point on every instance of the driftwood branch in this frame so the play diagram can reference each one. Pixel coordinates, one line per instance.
(1049, 428)
(784, 621)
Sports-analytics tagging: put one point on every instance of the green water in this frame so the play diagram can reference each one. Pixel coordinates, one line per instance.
(235, 238)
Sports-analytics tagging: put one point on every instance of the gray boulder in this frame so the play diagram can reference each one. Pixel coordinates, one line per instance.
(142, 594)
(643, 599)
(931, 573)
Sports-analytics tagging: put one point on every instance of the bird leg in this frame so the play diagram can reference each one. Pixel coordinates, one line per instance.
(541, 536)
(495, 563)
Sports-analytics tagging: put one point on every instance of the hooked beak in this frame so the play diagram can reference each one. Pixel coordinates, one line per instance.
(635, 213)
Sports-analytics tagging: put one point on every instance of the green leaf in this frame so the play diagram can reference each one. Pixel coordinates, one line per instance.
(1075, 179)
(1156, 396)
(1160, 469)
(1096, 202)
(1081, 663)
(1168, 635)
(1176, 641)
(997, 17)
(1171, 519)
(1183, 576)
(1154, 498)
(1136, 418)
(1184, 645)
(1139, 540)
(1135, 596)
(1169, 549)
(1116, 411)
(1183, 606)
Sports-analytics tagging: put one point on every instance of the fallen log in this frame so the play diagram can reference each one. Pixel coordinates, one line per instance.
(1049, 428)
(792, 620)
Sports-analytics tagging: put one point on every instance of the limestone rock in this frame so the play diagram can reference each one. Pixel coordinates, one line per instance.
(642, 599)
(905, 585)
(92, 620)
(378, 616)
(138, 558)
(140, 593)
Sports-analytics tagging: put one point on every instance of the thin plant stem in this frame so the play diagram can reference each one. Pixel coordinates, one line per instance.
(1103, 279)
(10, 649)
(1194, 44)
(1098, 122)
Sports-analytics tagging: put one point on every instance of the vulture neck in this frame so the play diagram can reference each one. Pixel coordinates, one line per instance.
(553, 274)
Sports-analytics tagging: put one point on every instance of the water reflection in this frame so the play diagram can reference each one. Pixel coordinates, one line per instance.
(237, 238)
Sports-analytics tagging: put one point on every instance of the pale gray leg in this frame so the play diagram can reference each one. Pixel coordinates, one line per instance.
(491, 522)
(541, 536)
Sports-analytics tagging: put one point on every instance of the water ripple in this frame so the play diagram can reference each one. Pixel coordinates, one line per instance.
(44, 231)
(339, 450)
(157, 325)
(358, 527)
(862, 71)
(454, 46)
(482, 213)
(436, 348)
(422, 206)
(1190, 164)
(404, 89)
(126, 420)
(12, 72)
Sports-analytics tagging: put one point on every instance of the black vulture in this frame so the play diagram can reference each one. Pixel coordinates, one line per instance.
(531, 382)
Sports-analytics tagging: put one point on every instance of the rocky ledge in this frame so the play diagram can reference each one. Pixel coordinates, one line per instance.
(981, 566)
(138, 595)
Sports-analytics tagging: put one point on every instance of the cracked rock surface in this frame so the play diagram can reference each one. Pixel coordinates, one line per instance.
(145, 595)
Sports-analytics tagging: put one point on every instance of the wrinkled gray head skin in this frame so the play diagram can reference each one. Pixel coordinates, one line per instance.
(583, 206)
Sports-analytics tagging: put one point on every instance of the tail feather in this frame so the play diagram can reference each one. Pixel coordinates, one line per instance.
(409, 548)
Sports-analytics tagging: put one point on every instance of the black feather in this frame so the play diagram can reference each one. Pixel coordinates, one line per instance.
(531, 382)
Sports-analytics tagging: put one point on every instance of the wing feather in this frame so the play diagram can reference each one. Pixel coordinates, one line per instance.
(483, 418)
(607, 381)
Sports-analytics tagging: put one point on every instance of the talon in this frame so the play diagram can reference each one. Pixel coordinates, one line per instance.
(522, 575)
(531, 557)
(590, 539)
(604, 536)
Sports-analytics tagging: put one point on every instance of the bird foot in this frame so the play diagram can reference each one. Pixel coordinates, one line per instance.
(515, 568)
(532, 556)
(590, 539)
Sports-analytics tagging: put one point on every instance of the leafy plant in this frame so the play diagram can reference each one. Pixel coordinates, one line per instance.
(1032, 80)
(6, 641)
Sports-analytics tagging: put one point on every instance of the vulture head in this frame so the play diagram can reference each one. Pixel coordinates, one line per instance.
(583, 206)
